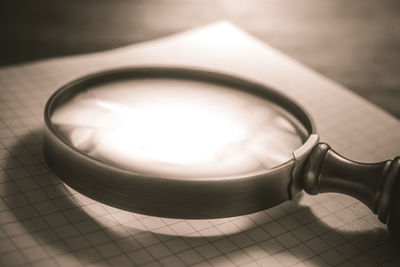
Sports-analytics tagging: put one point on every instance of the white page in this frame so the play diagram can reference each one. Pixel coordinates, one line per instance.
(44, 223)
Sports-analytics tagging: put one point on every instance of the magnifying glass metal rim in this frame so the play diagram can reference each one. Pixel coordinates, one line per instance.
(314, 167)
(165, 196)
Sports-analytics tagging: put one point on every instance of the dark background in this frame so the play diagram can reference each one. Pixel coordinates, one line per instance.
(356, 43)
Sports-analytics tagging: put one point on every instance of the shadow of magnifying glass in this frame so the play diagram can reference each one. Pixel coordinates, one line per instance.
(73, 229)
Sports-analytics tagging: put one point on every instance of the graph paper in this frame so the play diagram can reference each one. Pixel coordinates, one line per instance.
(45, 223)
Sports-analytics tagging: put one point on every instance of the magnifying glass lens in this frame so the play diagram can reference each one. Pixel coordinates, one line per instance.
(178, 128)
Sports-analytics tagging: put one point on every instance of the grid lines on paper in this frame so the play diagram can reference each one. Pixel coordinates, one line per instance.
(45, 223)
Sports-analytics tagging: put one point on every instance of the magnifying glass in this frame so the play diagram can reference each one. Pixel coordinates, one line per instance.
(194, 144)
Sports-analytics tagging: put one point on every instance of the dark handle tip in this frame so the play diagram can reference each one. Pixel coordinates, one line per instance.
(377, 185)
(393, 217)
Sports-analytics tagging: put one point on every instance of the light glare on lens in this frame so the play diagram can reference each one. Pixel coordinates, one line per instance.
(177, 128)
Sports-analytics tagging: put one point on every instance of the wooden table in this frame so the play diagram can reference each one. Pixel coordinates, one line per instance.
(356, 43)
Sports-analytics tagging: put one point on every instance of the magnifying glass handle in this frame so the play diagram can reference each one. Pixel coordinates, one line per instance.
(377, 185)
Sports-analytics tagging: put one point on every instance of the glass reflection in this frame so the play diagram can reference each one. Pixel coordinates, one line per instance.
(177, 128)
